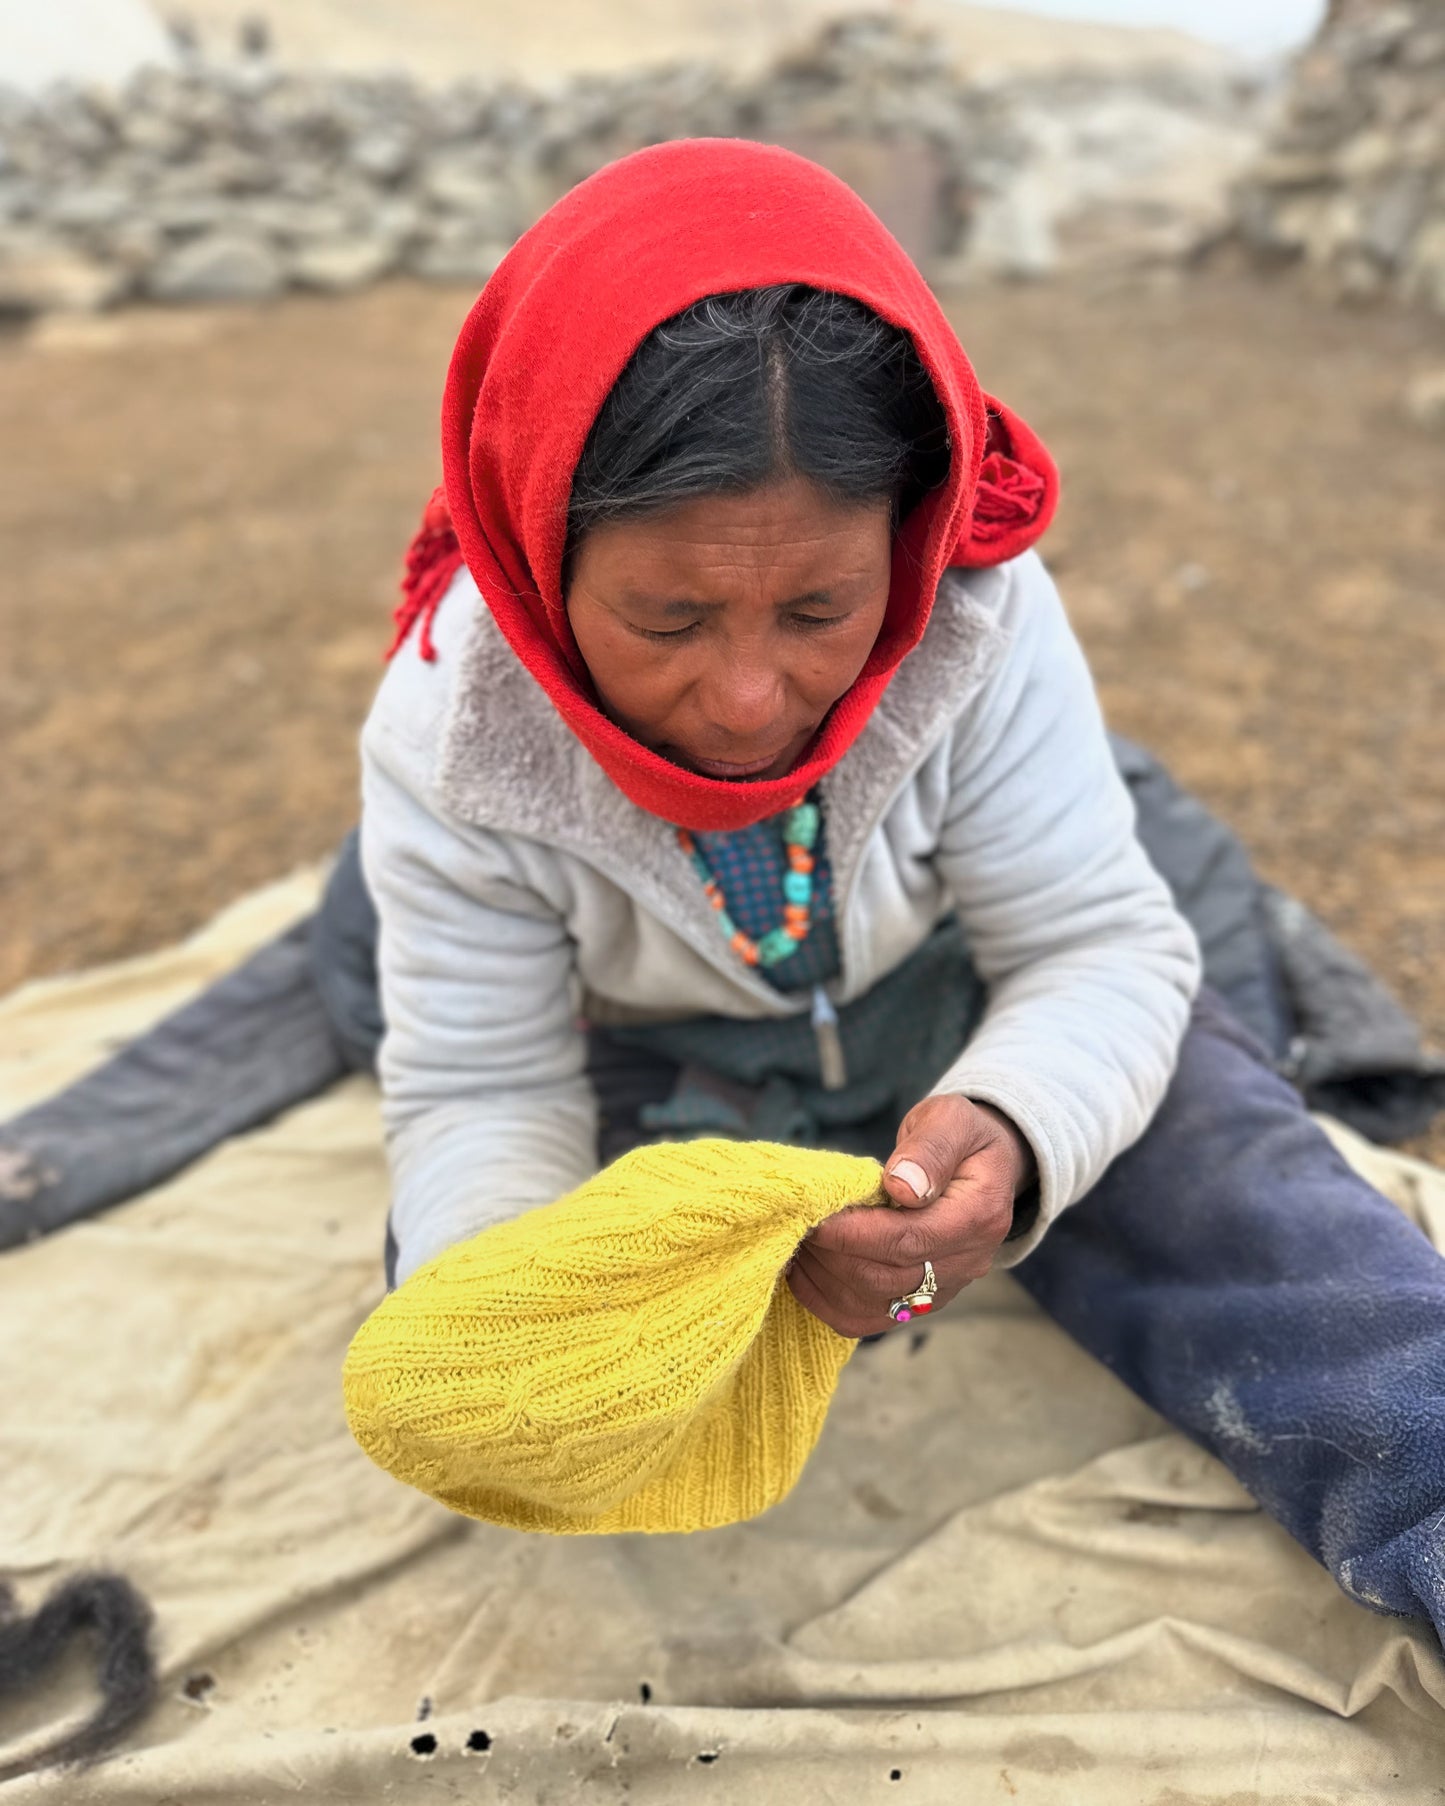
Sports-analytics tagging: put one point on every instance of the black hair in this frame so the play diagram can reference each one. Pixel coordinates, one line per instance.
(109, 1611)
(744, 388)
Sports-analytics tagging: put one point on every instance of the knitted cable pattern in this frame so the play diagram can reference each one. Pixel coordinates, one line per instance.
(623, 1359)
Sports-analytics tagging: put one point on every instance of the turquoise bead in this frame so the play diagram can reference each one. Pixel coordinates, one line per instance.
(802, 825)
(775, 946)
(801, 828)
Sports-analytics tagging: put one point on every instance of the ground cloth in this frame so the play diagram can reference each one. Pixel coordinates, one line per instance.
(1001, 1577)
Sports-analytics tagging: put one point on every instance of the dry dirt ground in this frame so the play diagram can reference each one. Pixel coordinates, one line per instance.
(204, 513)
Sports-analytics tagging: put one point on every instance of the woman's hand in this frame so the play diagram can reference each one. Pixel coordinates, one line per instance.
(956, 1171)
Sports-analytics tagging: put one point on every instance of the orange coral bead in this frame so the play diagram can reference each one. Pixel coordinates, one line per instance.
(800, 859)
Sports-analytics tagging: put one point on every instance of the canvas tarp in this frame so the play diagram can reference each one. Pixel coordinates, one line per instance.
(1001, 1577)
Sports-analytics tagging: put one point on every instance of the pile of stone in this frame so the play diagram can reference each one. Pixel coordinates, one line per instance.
(1125, 168)
(1352, 183)
(235, 179)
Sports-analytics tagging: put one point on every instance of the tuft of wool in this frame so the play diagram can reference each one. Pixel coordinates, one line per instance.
(626, 1358)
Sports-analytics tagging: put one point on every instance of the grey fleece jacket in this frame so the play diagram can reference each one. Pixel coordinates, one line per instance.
(517, 886)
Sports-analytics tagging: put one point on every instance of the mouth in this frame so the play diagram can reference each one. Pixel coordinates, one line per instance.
(715, 768)
(777, 764)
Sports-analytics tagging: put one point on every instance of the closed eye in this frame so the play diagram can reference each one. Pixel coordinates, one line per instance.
(681, 633)
(805, 622)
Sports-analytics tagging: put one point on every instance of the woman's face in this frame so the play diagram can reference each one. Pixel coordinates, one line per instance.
(719, 633)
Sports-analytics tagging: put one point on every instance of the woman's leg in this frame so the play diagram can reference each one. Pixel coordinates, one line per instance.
(250, 1046)
(285, 1024)
(1236, 1273)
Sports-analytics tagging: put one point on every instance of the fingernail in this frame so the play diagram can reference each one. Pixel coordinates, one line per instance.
(912, 1175)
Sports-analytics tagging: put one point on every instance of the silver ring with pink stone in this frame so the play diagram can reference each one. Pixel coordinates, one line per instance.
(915, 1304)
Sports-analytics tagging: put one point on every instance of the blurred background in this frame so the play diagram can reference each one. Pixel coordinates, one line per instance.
(1200, 244)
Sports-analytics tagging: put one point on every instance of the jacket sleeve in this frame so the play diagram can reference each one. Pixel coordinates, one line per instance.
(487, 1106)
(1090, 968)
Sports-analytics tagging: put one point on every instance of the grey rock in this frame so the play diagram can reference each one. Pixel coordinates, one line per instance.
(1423, 49)
(454, 252)
(384, 156)
(254, 35)
(229, 170)
(1295, 169)
(1371, 39)
(395, 217)
(132, 245)
(20, 198)
(299, 181)
(342, 264)
(466, 113)
(257, 75)
(306, 108)
(40, 273)
(294, 222)
(222, 266)
(1392, 216)
(1367, 155)
(156, 136)
(84, 209)
(237, 177)
(461, 185)
(186, 215)
(1013, 234)
(1353, 183)
(81, 122)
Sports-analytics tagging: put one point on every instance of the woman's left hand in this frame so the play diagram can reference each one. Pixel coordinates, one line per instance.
(969, 1163)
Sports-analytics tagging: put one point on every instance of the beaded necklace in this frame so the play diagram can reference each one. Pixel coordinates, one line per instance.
(800, 834)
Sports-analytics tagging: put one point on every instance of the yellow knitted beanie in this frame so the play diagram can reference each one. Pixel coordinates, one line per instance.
(623, 1359)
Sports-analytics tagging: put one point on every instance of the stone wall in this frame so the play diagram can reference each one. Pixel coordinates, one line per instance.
(238, 179)
(1352, 184)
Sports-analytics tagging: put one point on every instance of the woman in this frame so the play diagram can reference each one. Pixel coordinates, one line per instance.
(709, 529)
(738, 772)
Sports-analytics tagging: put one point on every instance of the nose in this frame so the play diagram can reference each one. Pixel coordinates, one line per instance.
(745, 706)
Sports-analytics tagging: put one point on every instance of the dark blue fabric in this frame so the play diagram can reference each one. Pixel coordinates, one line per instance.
(1235, 1273)
(764, 1079)
(255, 1043)
(748, 866)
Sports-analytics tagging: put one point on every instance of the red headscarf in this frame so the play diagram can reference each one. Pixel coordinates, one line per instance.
(550, 334)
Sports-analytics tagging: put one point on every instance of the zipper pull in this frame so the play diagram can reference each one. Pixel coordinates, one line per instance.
(831, 1063)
